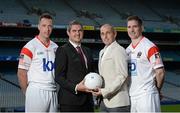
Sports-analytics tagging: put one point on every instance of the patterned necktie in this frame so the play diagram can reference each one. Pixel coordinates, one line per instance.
(81, 54)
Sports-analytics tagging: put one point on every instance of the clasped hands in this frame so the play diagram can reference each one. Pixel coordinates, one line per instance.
(81, 87)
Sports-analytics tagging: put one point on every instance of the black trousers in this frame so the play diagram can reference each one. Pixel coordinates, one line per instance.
(76, 108)
(103, 108)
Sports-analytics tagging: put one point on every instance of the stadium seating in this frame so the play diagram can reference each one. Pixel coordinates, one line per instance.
(171, 87)
(10, 96)
(92, 12)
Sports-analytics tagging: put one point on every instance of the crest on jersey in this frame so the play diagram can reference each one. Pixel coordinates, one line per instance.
(139, 54)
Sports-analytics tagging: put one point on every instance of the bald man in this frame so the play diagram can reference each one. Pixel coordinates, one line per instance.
(113, 68)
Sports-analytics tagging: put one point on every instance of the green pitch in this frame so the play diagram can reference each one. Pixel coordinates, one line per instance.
(164, 108)
(170, 108)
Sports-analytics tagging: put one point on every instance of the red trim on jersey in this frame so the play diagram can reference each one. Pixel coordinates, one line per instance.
(134, 46)
(152, 51)
(46, 45)
(27, 52)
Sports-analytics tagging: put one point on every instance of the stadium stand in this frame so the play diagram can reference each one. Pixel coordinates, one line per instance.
(171, 88)
(9, 54)
(92, 12)
(11, 97)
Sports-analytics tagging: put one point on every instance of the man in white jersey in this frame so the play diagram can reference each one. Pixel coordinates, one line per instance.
(36, 70)
(146, 69)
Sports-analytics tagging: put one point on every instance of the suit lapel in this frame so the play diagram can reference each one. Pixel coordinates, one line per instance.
(100, 60)
(77, 56)
(105, 54)
(72, 48)
(108, 51)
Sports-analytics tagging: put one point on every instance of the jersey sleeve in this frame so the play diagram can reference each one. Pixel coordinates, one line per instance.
(25, 57)
(154, 57)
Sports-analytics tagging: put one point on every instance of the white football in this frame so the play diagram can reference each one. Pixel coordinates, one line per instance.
(93, 80)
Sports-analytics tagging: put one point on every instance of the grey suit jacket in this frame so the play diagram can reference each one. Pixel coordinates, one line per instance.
(114, 70)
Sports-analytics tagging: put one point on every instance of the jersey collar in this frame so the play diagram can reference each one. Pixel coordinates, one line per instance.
(134, 46)
(46, 45)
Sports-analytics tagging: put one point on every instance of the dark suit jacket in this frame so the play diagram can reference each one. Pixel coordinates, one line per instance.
(69, 71)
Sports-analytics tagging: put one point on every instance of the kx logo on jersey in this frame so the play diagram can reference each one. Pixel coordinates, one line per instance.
(47, 65)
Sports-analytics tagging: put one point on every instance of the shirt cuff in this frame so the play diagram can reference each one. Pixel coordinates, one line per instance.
(76, 92)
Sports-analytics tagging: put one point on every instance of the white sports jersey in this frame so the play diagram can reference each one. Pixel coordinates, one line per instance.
(38, 59)
(142, 60)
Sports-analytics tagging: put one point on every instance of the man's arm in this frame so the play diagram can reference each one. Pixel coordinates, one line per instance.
(160, 75)
(61, 64)
(22, 77)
